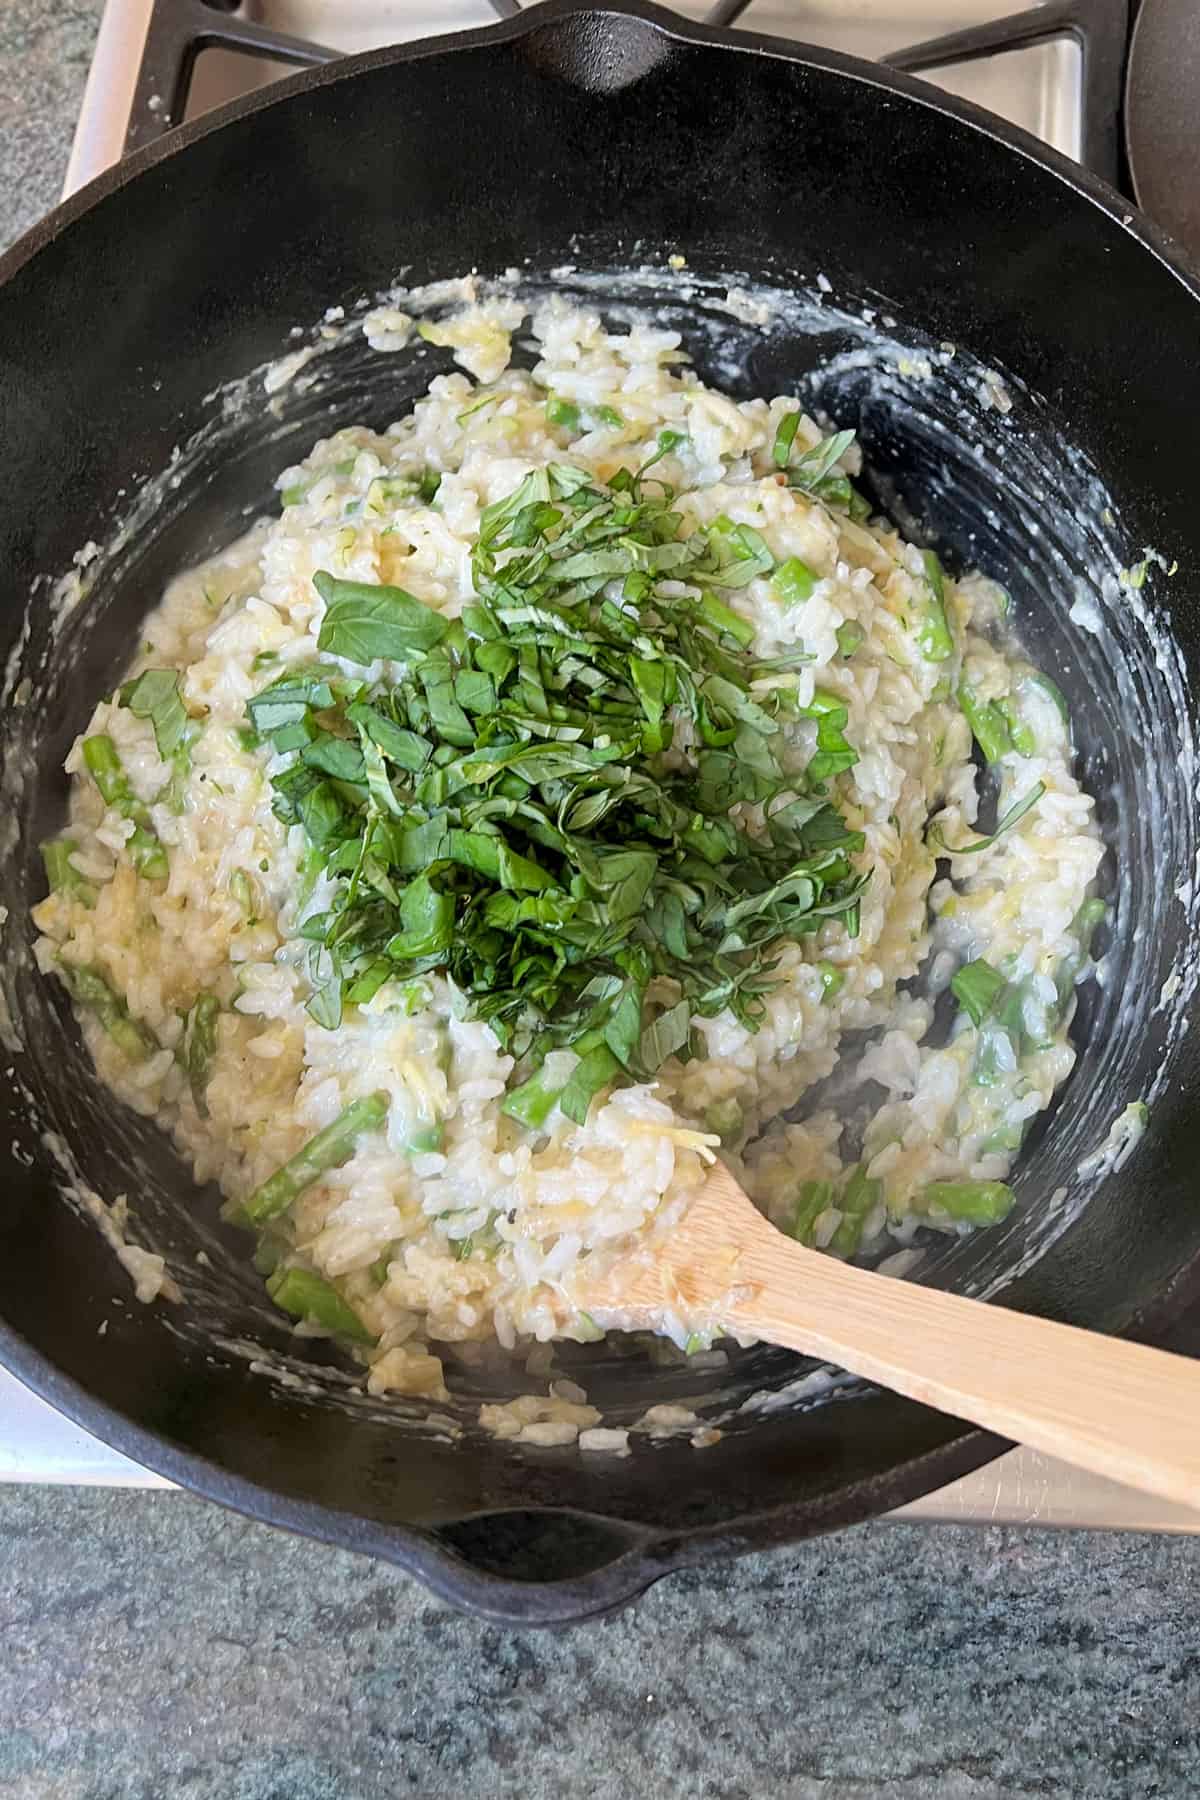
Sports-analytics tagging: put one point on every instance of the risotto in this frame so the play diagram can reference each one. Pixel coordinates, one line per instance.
(550, 798)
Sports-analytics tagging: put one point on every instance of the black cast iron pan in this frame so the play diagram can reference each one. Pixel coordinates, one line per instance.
(1020, 357)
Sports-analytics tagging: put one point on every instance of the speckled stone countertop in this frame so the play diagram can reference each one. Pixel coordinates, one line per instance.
(153, 1646)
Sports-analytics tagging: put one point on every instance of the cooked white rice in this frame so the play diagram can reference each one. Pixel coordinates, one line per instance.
(540, 1202)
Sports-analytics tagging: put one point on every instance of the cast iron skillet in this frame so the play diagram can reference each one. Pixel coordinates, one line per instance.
(604, 139)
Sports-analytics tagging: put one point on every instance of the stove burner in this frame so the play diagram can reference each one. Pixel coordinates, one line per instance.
(1140, 121)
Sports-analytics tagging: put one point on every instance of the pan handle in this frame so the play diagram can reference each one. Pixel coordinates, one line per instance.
(176, 36)
(537, 1567)
(1100, 29)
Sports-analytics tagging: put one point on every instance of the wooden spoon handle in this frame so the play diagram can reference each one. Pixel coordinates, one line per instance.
(1118, 1409)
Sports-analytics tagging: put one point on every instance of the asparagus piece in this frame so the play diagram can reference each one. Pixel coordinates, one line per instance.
(200, 1046)
(859, 1195)
(1083, 927)
(531, 1102)
(87, 987)
(812, 1199)
(793, 582)
(934, 638)
(328, 1150)
(976, 1202)
(62, 876)
(104, 765)
(726, 1119)
(308, 1296)
(989, 727)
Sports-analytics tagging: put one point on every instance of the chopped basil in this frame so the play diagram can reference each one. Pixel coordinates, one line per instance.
(155, 696)
(815, 472)
(1015, 812)
(975, 987)
(498, 809)
(365, 624)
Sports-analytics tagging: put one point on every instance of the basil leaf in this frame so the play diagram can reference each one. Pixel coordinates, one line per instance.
(975, 987)
(816, 464)
(593, 1072)
(154, 695)
(1018, 811)
(665, 1036)
(366, 624)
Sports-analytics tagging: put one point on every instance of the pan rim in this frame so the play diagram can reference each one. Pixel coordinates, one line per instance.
(1012, 138)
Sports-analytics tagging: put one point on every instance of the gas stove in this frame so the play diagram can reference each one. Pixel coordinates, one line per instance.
(1064, 70)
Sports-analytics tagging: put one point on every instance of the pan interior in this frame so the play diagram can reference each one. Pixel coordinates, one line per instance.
(964, 458)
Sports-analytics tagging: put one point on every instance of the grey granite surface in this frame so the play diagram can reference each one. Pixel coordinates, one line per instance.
(152, 1646)
(45, 49)
(155, 1646)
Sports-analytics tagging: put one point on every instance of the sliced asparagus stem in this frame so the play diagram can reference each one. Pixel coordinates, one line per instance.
(61, 873)
(104, 765)
(306, 1295)
(328, 1150)
(200, 1046)
(87, 987)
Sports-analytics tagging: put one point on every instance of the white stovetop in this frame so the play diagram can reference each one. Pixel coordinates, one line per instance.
(1038, 89)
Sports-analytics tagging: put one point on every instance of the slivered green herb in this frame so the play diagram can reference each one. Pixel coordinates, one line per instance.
(833, 980)
(975, 987)
(363, 622)
(200, 1046)
(61, 874)
(306, 1295)
(155, 696)
(785, 437)
(104, 765)
(1015, 812)
(850, 638)
(834, 752)
(816, 471)
(976, 1202)
(500, 810)
(327, 1150)
(87, 987)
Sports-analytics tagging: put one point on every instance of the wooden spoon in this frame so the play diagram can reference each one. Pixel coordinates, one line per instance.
(1118, 1409)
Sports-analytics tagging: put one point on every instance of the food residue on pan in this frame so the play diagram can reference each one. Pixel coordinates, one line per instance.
(540, 804)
